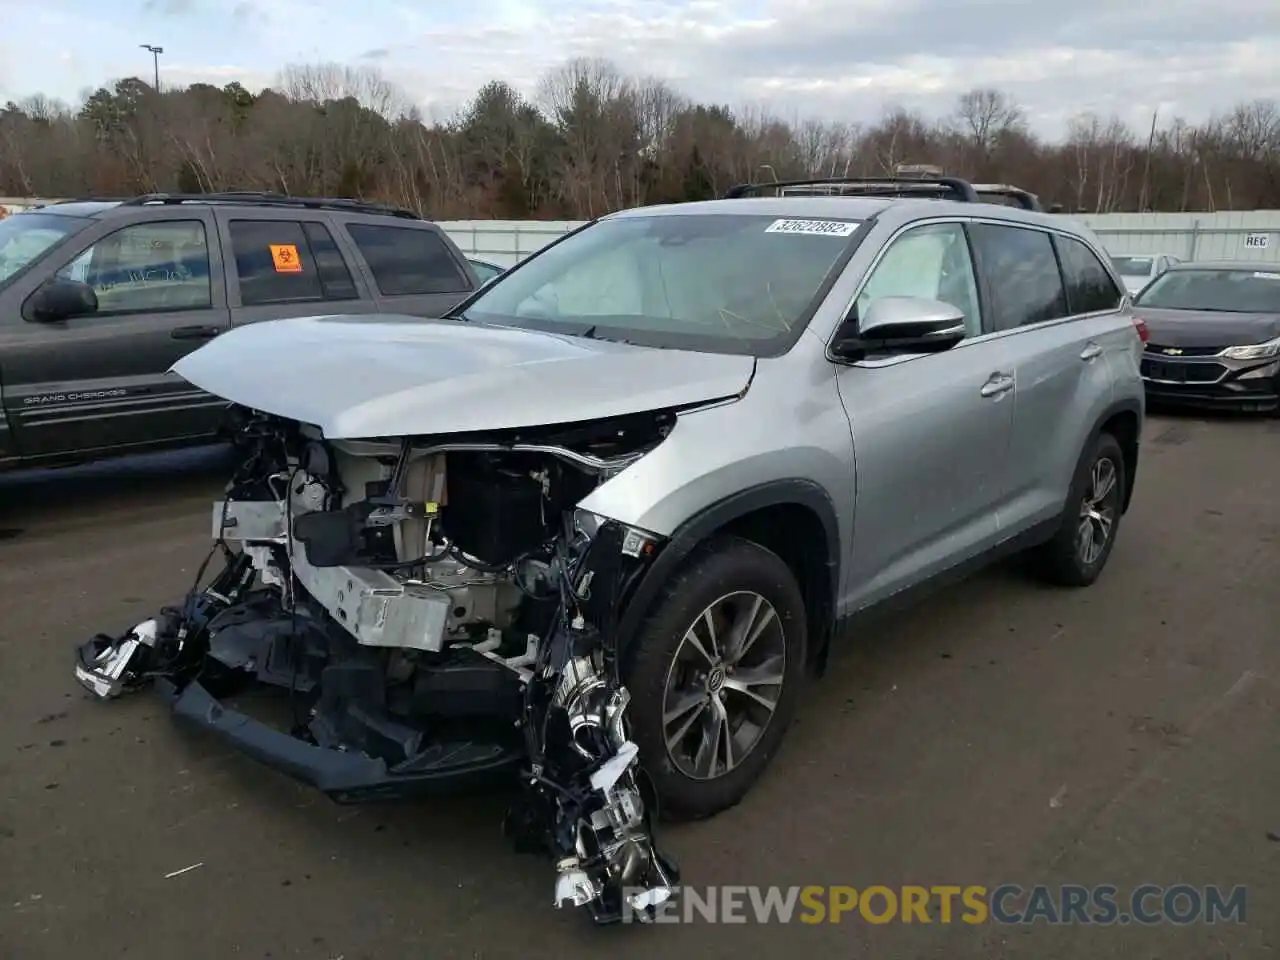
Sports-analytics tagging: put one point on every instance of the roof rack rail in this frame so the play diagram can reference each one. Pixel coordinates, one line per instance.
(1023, 198)
(263, 198)
(952, 187)
(54, 203)
(907, 185)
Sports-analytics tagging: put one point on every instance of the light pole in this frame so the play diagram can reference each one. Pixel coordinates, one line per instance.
(155, 59)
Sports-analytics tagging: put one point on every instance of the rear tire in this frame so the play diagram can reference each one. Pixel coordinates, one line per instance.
(731, 620)
(1080, 548)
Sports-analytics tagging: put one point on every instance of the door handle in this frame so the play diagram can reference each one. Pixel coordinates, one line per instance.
(1000, 383)
(1090, 351)
(198, 332)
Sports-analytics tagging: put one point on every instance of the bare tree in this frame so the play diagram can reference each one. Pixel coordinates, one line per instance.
(593, 139)
(324, 82)
(1254, 129)
(984, 116)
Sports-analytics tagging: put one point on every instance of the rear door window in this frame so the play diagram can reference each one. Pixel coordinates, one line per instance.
(1021, 271)
(405, 261)
(1090, 288)
(288, 261)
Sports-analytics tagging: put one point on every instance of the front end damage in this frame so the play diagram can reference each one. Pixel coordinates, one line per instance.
(437, 613)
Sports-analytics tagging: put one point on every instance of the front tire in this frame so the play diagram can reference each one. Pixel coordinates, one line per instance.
(1079, 551)
(714, 673)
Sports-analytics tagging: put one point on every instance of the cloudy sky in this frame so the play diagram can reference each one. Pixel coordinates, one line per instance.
(844, 59)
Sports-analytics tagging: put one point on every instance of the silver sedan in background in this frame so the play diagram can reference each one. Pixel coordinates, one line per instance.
(1138, 271)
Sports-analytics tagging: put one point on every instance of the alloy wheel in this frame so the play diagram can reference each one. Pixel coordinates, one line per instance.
(1098, 511)
(723, 685)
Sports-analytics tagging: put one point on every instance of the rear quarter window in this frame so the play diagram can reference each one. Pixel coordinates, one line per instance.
(1090, 288)
(406, 261)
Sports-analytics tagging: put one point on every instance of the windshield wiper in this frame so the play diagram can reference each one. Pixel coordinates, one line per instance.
(590, 334)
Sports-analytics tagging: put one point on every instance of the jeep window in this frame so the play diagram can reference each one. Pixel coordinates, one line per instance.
(146, 267)
(335, 278)
(275, 264)
(406, 262)
(1090, 288)
(1225, 291)
(1022, 272)
(25, 237)
(722, 283)
(932, 262)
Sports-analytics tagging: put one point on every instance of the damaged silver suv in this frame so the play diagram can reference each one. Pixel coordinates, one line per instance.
(591, 532)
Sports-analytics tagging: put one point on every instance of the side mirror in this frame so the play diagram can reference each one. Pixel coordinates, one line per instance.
(58, 300)
(900, 325)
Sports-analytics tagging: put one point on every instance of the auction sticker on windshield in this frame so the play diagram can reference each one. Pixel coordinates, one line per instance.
(814, 228)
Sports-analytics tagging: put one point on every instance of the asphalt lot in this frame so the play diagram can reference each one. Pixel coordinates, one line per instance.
(1001, 732)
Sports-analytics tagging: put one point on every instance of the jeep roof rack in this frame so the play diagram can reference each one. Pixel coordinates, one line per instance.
(54, 203)
(264, 199)
(914, 185)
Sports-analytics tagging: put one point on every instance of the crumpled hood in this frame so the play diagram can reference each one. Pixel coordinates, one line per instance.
(356, 377)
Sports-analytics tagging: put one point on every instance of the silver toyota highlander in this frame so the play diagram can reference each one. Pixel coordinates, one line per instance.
(591, 532)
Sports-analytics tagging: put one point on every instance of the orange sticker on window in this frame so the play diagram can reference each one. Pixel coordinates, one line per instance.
(285, 257)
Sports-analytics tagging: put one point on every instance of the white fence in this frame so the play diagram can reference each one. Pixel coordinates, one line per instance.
(504, 242)
(1188, 236)
(1253, 235)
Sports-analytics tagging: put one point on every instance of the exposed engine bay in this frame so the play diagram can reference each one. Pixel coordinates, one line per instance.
(436, 612)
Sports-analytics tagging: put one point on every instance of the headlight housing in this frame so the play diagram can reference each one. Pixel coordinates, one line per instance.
(1254, 351)
(633, 542)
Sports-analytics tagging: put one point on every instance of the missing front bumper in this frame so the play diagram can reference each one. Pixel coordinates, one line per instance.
(372, 723)
(344, 775)
(349, 747)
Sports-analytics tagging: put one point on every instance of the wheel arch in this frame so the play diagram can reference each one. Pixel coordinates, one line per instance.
(794, 518)
(1122, 420)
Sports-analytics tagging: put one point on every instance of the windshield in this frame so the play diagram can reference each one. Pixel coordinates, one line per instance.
(25, 237)
(722, 283)
(1228, 291)
(1133, 266)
